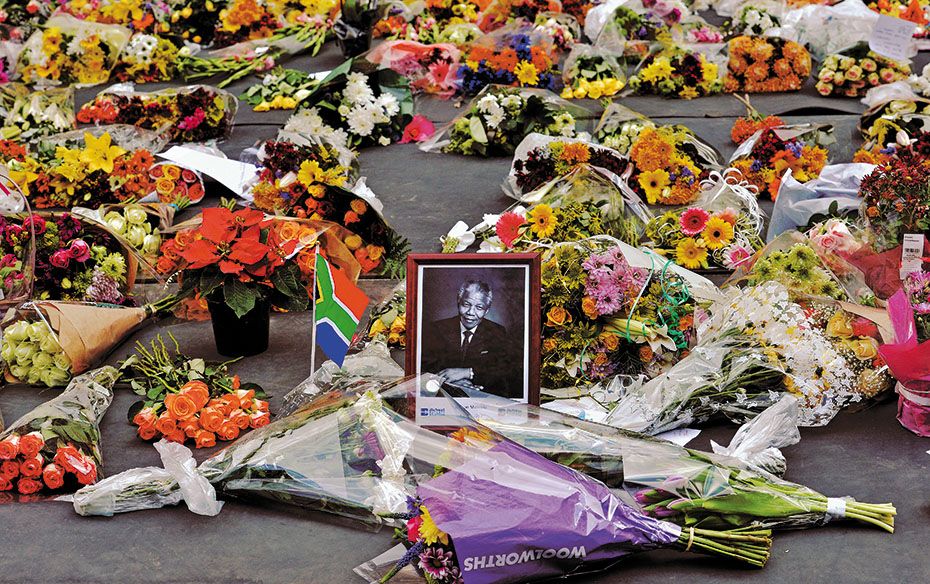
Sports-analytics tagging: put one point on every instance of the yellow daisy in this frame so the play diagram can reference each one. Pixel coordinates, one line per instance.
(659, 69)
(526, 73)
(542, 221)
(653, 182)
(717, 233)
(691, 254)
(429, 533)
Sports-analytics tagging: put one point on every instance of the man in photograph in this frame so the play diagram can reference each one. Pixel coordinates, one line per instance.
(470, 350)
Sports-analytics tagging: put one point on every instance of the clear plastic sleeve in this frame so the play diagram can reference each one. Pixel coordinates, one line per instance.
(592, 72)
(194, 113)
(757, 442)
(504, 57)
(828, 29)
(19, 260)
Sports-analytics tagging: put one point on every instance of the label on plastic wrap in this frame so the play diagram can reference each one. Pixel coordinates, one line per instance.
(912, 251)
(836, 508)
(893, 38)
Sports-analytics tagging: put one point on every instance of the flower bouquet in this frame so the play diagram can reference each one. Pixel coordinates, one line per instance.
(11, 44)
(854, 71)
(498, 13)
(753, 20)
(764, 158)
(895, 201)
(279, 89)
(629, 28)
(176, 186)
(591, 72)
(677, 72)
(373, 479)
(431, 69)
(499, 118)
(911, 10)
(562, 28)
(906, 356)
(250, 20)
(56, 446)
(388, 320)
(439, 21)
(306, 181)
(194, 20)
(515, 55)
(240, 263)
(896, 118)
(34, 114)
(746, 126)
(371, 106)
(195, 113)
(585, 202)
(134, 14)
(681, 485)
(71, 52)
(723, 228)
(137, 224)
(186, 398)
(540, 159)
(147, 58)
(766, 64)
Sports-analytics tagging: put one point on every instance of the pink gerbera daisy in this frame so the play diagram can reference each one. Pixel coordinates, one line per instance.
(735, 255)
(693, 221)
(508, 228)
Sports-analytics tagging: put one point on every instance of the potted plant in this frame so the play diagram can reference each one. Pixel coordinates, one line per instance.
(238, 262)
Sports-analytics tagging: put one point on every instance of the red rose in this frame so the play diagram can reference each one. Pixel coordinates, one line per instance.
(9, 470)
(863, 327)
(228, 431)
(32, 466)
(5, 484)
(89, 475)
(147, 432)
(53, 476)
(69, 458)
(31, 444)
(28, 486)
(9, 447)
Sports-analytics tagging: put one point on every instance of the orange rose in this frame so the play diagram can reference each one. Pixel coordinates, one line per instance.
(145, 417)
(210, 419)
(558, 316)
(611, 342)
(9, 447)
(589, 307)
(28, 486)
(147, 431)
(9, 470)
(165, 424)
(359, 206)
(228, 431)
(68, 457)
(31, 444)
(288, 230)
(245, 398)
(350, 218)
(180, 407)
(549, 345)
(259, 419)
(165, 265)
(177, 436)
(183, 238)
(198, 392)
(236, 382)
(240, 418)
(260, 405)
(190, 427)
(53, 477)
(88, 474)
(231, 401)
(32, 466)
(205, 439)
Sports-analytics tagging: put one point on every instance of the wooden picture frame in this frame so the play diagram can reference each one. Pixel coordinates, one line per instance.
(494, 356)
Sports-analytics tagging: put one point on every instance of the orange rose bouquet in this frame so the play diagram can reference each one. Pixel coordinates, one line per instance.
(190, 399)
(56, 446)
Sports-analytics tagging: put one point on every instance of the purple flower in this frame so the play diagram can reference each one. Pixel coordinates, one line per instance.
(103, 288)
(436, 562)
(79, 250)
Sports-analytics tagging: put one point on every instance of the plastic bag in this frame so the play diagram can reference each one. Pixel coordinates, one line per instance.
(499, 118)
(722, 228)
(139, 225)
(505, 56)
(591, 72)
(828, 29)
(431, 69)
(123, 135)
(562, 28)
(757, 442)
(34, 114)
(629, 27)
(45, 61)
(195, 113)
(56, 446)
(783, 66)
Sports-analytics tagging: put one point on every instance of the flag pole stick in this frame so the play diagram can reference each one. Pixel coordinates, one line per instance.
(313, 333)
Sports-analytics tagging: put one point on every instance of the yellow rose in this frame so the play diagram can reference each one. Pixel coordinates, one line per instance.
(375, 252)
(839, 326)
(549, 345)
(353, 242)
(377, 327)
(611, 341)
(558, 316)
(589, 307)
(600, 359)
(399, 325)
(865, 349)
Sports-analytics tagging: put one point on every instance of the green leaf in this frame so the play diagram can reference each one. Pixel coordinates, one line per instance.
(209, 281)
(240, 297)
(285, 281)
(154, 393)
(477, 130)
(135, 409)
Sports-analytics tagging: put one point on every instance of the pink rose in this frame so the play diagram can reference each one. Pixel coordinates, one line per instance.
(419, 129)
(79, 250)
(60, 259)
(827, 242)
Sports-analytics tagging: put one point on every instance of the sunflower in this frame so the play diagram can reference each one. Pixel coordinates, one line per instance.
(691, 254)
(542, 221)
(717, 233)
(653, 183)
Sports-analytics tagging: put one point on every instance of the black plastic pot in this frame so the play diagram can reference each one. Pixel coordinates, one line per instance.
(239, 337)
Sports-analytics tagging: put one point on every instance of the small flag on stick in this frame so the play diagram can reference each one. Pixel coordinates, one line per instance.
(339, 307)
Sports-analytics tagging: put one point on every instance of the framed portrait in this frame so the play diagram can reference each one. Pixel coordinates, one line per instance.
(473, 320)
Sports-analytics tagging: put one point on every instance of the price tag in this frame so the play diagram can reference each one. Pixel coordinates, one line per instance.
(912, 252)
(893, 38)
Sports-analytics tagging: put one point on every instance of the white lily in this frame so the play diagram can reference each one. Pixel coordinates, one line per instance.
(458, 239)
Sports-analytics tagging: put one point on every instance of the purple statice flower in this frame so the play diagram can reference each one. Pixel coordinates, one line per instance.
(436, 562)
(413, 505)
(795, 148)
(103, 288)
(756, 166)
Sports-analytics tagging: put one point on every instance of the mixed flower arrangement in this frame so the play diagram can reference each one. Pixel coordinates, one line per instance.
(556, 158)
(517, 57)
(895, 201)
(852, 73)
(499, 119)
(441, 21)
(431, 69)
(752, 20)
(249, 20)
(497, 13)
(190, 399)
(176, 185)
(279, 89)
(746, 126)
(136, 14)
(70, 52)
(764, 159)
(694, 237)
(766, 64)
(677, 73)
(196, 113)
(896, 124)
(666, 170)
(911, 10)
(147, 58)
(793, 263)
(389, 320)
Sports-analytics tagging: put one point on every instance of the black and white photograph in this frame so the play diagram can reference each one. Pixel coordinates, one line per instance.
(473, 325)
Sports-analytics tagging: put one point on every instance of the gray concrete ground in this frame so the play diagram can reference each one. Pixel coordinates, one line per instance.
(864, 454)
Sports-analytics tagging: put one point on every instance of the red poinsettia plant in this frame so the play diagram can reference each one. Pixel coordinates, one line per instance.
(240, 255)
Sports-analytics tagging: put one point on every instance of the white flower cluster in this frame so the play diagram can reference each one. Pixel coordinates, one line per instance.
(494, 109)
(363, 111)
(309, 125)
(921, 83)
(140, 48)
(818, 372)
(753, 20)
(80, 35)
(623, 140)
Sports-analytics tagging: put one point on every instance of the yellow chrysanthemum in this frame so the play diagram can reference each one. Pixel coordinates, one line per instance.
(542, 221)
(526, 73)
(659, 69)
(717, 233)
(309, 173)
(691, 254)
(429, 533)
(653, 182)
